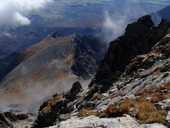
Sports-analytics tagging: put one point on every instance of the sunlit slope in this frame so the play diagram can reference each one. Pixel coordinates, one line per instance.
(48, 67)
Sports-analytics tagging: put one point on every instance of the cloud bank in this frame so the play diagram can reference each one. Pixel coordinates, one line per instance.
(15, 12)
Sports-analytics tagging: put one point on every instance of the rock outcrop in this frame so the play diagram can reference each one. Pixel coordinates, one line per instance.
(133, 79)
(16, 120)
(51, 110)
(139, 38)
(95, 122)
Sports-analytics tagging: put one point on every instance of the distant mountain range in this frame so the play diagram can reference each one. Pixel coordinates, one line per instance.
(15, 40)
(165, 13)
(73, 18)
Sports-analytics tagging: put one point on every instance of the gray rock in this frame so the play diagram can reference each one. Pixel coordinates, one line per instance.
(155, 126)
(165, 104)
(95, 122)
(168, 117)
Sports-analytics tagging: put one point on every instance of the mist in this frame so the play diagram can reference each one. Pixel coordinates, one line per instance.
(15, 13)
(115, 21)
(28, 100)
(114, 25)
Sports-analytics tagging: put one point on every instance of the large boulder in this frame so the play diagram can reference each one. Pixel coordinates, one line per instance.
(50, 112)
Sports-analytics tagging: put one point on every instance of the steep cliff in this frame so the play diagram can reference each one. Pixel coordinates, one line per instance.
(139, 38)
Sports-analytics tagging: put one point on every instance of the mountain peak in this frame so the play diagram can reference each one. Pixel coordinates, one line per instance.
(139, 38)
(48, 64)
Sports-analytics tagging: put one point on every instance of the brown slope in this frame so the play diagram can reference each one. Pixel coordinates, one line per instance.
(44, 69)
(48, 67)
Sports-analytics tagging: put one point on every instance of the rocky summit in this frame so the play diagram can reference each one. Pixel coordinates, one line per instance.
(131, 88)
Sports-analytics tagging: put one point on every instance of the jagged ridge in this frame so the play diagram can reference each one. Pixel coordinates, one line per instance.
(139, 38)
(141, 89)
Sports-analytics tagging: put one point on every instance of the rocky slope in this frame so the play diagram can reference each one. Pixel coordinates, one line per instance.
(131, 87)
(139, 38)
(15, 120)
(48, 67)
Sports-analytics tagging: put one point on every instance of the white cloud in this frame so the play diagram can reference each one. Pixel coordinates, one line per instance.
(20, 19)
(114, 26)
(15, 12)
(115, 22)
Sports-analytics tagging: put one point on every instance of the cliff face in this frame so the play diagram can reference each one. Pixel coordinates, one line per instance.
(88, 55)
(130, 89)
(139, 38)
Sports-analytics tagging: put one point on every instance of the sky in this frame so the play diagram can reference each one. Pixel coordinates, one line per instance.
(15, 12)
(162, 2)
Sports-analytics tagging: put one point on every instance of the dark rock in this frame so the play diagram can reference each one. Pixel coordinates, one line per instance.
(49, 115)
(47, 118)
(88, 54)
(55, 95)
(166, 67)
(55, 35)
(7, 119)
(86, 105)
(22, 116)
(4, 123)
(43, 106)
(91, 93)
(139, 38)
(76, 89)
(12, 117)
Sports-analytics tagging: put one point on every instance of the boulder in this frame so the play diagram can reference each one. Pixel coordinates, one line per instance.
(76, 89)
(49, 114)
(95, 122)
